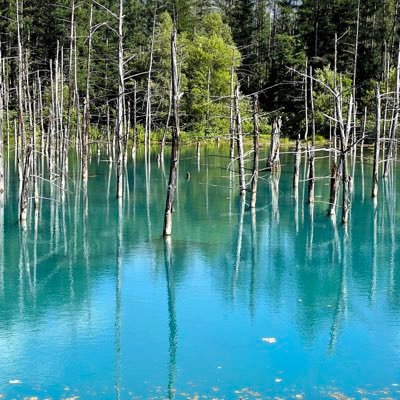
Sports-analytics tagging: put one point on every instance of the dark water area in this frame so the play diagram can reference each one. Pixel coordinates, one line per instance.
(276, 303)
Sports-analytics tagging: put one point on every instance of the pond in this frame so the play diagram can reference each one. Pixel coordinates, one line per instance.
(279, 302)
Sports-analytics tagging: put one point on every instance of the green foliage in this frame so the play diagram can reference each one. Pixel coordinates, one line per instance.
(323, 97)
(207, 83)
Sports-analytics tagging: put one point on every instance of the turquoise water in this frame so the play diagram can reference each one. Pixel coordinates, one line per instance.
(93, 303)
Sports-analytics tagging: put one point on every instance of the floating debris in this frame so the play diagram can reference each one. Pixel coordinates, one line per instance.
(269, 340)
(14, 382)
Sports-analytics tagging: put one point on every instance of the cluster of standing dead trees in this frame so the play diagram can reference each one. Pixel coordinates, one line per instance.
(347, 138)
(51, 114)
(46, 130)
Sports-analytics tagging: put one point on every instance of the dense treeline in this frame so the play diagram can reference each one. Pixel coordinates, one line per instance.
(265, 41)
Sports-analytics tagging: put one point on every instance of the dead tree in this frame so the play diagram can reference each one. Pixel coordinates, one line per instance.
(311, 149)
(232, 111)
(173, 173)
(24, 198)
(344, 132)
(86, 105)
(273, 162)
(2, 91)
(311, 173)
(377, 143)
(134, 141)
(150, 71)
(256, 146)
(21, 128)
(121, 99)
(395, 122)
(297, 162)
(239, 143)
(334, 187)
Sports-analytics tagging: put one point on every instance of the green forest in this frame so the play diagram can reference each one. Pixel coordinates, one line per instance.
(269, 47)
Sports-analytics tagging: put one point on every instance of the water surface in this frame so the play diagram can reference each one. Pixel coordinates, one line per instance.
(93, 303)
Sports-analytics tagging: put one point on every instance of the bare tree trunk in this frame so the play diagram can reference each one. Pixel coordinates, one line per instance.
(311, 149)
(121, 96)
(35, 168)
(86, 105)
(377, 143)
(297, 162)
(21, 125)
(395, 120)
(51, 136)
(175, 140)
(24, 200)
(256, 145)
(306, 103)
(232, 112)
(273, 162)
(355, 76)
(344, 138)
(134, 144)
(148, 102)
(2, 92)
(239, 142)
(71, 65)
(164, 137)
(109, 144)
(334, 187)
(77, 102)
(40, 105)
(311, 174)
(67, 134)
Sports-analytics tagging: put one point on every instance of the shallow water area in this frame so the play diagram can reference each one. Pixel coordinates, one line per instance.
(276, 303)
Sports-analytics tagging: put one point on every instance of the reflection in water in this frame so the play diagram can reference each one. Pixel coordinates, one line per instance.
(254, 261)
(372, 294)
(274, 181)
(2, 239)
(341, 306)
(239, 240)
(83, 286)
(118, 286)
(172, 324)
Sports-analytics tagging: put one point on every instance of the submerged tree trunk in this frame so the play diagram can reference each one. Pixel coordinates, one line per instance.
(297, 162)
(334, 187)
(24, 200)
(273, 162)
(311, 174)
(173, 173)
(254, 182)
